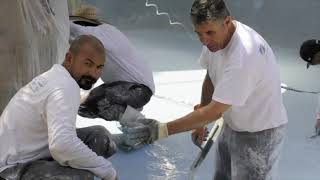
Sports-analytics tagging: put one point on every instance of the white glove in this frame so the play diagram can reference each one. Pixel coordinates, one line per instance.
(138, 131)
(130, 115)
(144, 131)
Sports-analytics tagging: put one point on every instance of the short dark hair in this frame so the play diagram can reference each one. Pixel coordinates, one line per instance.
(79, 41)
(204, 10)
(308, 49)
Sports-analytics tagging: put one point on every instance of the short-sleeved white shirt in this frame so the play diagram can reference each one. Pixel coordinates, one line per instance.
(246, 76)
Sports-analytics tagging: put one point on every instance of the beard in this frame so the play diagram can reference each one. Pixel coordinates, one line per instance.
(86, 82)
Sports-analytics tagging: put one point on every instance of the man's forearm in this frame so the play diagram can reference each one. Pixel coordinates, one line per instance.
(197, 118)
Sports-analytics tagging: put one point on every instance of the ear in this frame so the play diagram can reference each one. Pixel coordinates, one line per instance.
(68, 59)
(228, 21)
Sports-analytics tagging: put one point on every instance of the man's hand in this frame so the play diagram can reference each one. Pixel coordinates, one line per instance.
(196, 107)
(317, 127)
(143, 131)
(112, 175)
(199, 135)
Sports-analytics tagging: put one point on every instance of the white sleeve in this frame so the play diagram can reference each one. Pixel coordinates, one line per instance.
(235, 86)
(204, 58)
(64, 144)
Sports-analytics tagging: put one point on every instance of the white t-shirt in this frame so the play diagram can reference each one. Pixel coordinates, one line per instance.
(122, 61)
(245, 75)
(40, 122)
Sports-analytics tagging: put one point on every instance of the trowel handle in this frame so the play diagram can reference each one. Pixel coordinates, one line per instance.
(206, 148)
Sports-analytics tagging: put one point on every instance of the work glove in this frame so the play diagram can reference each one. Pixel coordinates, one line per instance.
(130, 115)
(143, 131)
(128, 119)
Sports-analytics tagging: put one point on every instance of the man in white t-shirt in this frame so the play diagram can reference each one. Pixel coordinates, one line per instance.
(127, 78)
(310, 52)
(38, 127)
(242, 85)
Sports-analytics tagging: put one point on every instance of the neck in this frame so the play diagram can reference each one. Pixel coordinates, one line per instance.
(231, 30)
(64, 64)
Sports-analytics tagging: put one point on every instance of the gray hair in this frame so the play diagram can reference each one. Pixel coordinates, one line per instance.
(204, 10)
(79, 41)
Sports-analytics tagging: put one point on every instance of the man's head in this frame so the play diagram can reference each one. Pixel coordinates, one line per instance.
(212, 23)
(85, 60)
(310, 52)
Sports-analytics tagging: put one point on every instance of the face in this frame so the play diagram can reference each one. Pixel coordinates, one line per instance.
(86, 66)
(316, 59)
(215, 34)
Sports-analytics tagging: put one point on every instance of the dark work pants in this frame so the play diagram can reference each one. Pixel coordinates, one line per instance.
(97, 138)
(109, 101)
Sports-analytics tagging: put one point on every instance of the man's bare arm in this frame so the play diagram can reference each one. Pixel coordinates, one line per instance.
(198, 118)
(207, 91)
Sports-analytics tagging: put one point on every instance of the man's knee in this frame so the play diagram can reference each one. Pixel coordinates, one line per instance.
(51, 170)
(102, 138)
(139, 95)
(79, 175)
